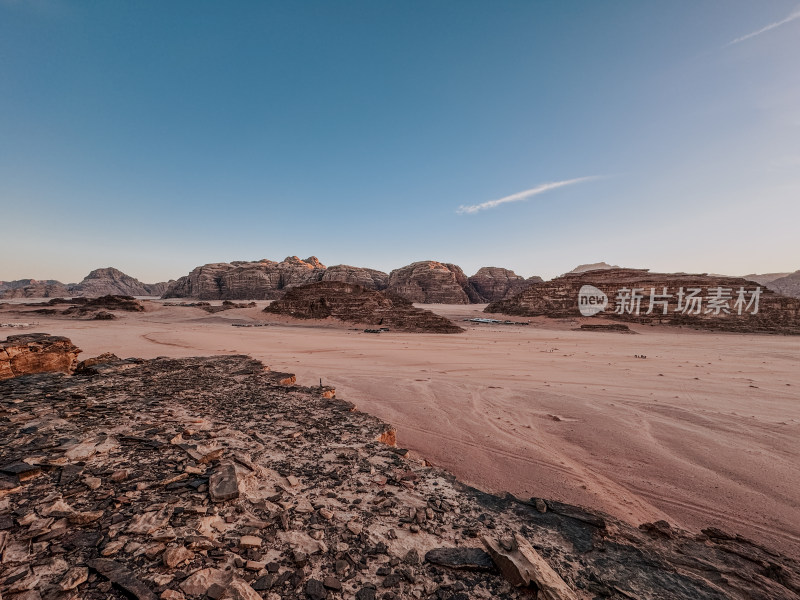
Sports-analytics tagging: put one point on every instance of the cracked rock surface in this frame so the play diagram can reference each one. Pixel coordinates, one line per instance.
(209, 478)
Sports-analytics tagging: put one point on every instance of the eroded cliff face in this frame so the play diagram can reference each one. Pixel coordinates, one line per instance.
(428, 282)
(495, 283)
(216, 478)
(353, 303)
(370, 279)
(431, 282)
(36, 353)
(636, 295)
(261, 280)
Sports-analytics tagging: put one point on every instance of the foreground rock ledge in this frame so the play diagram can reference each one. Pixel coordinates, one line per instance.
(106, 492)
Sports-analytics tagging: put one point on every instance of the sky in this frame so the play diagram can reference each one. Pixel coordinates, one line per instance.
(158, 136)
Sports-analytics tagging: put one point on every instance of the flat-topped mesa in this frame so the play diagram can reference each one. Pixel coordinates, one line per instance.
(495, 283)
(432, 282)
(36, 353)
(353, 303)
(636, 295)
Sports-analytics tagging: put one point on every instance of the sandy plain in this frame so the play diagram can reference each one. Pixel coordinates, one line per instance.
(704, 431)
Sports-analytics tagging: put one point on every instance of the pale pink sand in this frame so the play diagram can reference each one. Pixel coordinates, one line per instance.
(705, 431)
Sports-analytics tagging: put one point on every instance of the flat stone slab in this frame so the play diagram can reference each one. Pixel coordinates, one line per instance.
(223, 483)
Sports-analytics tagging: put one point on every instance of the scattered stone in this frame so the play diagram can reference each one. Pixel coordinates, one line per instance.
(223, 484)
(315, 590)
(123, 577)
(74, 577)
(522, 566)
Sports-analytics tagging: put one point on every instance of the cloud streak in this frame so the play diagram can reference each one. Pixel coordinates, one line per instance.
(519, 196)
(752, 34)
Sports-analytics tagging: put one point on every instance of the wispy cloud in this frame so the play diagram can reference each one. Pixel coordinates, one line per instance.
(752, 34)
(524, 195)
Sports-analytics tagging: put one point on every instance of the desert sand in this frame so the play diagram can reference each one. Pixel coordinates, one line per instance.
(702, 432)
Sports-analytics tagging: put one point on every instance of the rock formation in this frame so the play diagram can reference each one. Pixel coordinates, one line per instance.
(204, 478)
(33, 288)
(370, 279)
(431, 282)
(788, 285)
(110, 281)
(83, 306)
(702, 301)
(36, 353)
(353, 303)
(495, 283)
(100, 282)
(261, 280)
(765, 278)
(593, 267)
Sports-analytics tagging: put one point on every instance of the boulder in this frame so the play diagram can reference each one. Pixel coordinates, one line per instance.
(36, 353)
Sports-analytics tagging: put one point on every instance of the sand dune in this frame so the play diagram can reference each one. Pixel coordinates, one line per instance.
(703, 432)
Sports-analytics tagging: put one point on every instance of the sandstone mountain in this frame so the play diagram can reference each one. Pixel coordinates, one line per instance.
(495, 283)
(100, 282)
(370, 279)
(111, 281)
(788, 285)
(33, 288)
(765, 278)
(593, 267)
(559, 298)
(266, 279)
(353, 303)
(432, 282)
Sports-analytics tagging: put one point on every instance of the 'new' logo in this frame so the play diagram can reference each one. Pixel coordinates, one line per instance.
(591, 300)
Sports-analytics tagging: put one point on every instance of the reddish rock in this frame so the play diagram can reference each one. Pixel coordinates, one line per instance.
(262, 280)
(36, 353)
(558, 298)
(370, 279)
(431, 282)
(495, 283)
(348, 302)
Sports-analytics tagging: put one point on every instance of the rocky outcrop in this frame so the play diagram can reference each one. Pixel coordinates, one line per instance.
(261, 280)
(495, 283)
(765, 278)
(599, 266)
(33, 288)
(107, 479)
(353, 303)
(431, 282)
(788, 285)
(370, 279)
(36, 353)
(100, 282)
(636, 295)
(110, 281)
(83, 306)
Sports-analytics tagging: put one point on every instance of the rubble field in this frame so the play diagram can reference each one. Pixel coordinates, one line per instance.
(216, 478)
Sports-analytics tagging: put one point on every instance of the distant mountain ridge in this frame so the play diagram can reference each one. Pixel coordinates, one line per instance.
(427, 281)
(100, 282)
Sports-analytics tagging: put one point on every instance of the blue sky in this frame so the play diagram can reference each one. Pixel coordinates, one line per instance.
(157, 136)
